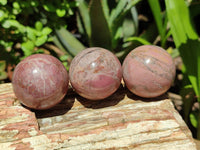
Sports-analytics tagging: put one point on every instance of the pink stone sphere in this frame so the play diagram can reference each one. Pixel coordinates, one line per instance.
(40, 81)
(148, 71)
(95, 73)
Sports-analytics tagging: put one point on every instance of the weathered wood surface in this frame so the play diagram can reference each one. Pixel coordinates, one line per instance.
(122, 121)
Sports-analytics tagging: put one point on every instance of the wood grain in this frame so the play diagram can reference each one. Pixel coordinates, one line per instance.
(122, 121)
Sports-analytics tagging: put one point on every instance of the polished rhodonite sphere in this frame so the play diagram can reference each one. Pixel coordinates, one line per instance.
(40, 81)
(148, 71)
(95, 73)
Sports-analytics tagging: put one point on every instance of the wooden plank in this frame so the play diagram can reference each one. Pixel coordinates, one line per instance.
(122, 121)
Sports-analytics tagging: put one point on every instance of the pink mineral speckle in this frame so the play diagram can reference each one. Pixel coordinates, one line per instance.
(40, 81)
(148, 71)
(95, 73)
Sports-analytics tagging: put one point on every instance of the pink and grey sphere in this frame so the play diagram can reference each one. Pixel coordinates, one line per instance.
(40, 81)
(95, 73)
(148, 71)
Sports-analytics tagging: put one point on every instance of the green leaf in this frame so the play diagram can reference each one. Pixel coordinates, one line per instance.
(141, 40)
(16, 11)
(168, 34)
(185, 39)
(38, 25)
(190, 54)
(34, 3)
(179, 20)
(57, 42)
(14, 23)
(69, 42)
(60, 12)
(2, 65)
(128, 28)
(106, 9)
(41, 40)
(156, 10)
(84, 13)
(16, 5)
(2, 15)
(131, 4)
(49, 7)
(123, 7)
(31, 33)
(117, 17)
(64, 57)
(80, 26)
(135, 18)
(6, 44)
(3, 2)
(3, 75)
(117, 11)
(193, 119)
(27, 47)
(117, 36)
(173, 52)
(46, 30)
(9, 23)
(66, 65)
(101, 34)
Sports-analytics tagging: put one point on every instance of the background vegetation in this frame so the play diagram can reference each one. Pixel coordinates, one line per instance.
(63, 28)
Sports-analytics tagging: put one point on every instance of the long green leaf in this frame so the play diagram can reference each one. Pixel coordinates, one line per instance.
(134, 14)
(141, 40)
(84, 12)
(116, 21)
(185, 39)
(130, 4)
(80, 25)
(179, 19)
(101, 35)
(58, 44)
(190, 55)
(69, 42)
(117, 11)
(119, 14)
(156, 10)
(168, 34)
(106, 9)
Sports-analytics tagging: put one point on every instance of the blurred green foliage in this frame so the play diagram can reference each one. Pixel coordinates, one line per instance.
(187, 41)
(26, 25)
(101, 23)
(3, 74)
(113, 25)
